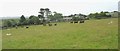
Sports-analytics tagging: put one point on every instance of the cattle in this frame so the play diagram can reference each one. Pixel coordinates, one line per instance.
(71, 22)
(81, 21)
(4, 27)
(55, 24)
(75, 21)
(27, 27)
(50, 24)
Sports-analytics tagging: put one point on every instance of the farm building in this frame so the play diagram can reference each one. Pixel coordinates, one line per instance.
(70, 18)
(67, 18)
(113, 14)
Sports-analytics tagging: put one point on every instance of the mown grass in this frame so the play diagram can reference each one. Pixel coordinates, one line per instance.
(93, 34)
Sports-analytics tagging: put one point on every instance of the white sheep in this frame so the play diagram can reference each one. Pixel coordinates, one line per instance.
(110, 22)
(8, 34)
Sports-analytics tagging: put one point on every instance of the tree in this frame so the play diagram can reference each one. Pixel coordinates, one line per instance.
(33, 20)
(51, 17)
(14, 22)
(22, 20)
(100, 15)
(47, 11)
(31, 16)
(75, 18)
(57, 16)
(91, 15)
(30, 21)
(8, 23)
(40, 16)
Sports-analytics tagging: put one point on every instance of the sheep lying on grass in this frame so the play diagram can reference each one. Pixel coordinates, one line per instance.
(110, 22)
(8, 34)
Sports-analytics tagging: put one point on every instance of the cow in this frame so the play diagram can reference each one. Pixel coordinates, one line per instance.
(27, 27)
(50, 24)
(55, 24)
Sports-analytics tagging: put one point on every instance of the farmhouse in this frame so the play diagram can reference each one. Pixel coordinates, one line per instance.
(70, 18)
(80, 16)
(67, 18)
(113, 14)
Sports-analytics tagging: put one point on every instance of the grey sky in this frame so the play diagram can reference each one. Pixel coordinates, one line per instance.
(67, 7)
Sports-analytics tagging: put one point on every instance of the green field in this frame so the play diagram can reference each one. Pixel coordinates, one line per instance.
(93, 34)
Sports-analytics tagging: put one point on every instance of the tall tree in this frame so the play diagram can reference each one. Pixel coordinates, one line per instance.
(33, 20)
(51, 17)
(22, 19)
(7, 23)
(14, 22)
(57, 16)
(31, 16)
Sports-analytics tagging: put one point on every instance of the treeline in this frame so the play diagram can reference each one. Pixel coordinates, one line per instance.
(32, 20)
(100, 15)
(52, 17)
(56, 17)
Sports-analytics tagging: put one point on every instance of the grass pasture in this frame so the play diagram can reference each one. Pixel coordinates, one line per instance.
(93, 34)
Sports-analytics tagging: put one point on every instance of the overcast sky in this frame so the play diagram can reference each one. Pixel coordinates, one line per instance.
(67, 7)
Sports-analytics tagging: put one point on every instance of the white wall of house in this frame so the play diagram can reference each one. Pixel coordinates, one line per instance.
(113, 14)
(67, 18)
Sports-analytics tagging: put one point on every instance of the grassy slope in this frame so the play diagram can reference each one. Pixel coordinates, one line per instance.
(92, 34)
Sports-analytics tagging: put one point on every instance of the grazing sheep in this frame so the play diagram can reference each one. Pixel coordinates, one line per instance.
(110, 22)
(8, 34)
